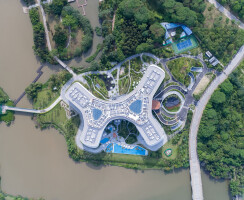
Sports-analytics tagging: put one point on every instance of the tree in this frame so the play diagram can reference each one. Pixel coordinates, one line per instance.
(57, 6)
(144, 47)
(157, 32)
(218, 97)
(227, 87)
(32, 90)
(60, 37)
(70, 21)
(135, 9)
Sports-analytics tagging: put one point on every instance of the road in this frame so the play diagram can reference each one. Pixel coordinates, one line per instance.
(196, 182)
(226, 12)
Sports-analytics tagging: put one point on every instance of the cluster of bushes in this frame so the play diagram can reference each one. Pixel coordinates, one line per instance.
(4, 100)
(56, 6)
(39, 47)
(221, 132)
(73, 20)
(29, 2)
(55, 82)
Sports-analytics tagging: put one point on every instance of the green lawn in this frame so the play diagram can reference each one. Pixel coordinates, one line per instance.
(125, 66)
(56, 116)
(124, 84)
(45, 98)
(174, 148)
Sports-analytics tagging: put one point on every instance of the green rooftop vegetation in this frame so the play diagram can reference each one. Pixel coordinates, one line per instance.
(180, 68)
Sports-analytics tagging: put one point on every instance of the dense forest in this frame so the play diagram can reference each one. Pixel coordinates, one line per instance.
(221, 132)
(236, 6)
(137, 28)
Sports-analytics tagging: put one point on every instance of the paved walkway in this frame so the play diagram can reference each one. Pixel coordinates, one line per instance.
(45, 25)
(26, 110)
(64, 65)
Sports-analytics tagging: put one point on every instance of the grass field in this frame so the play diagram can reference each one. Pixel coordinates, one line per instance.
(45, 98)
(56, 116)
(174, 148)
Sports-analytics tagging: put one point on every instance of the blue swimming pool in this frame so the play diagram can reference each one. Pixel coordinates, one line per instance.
(137, 150)
(96, 113)
(103, 141)
(109, 148)
(136, 106)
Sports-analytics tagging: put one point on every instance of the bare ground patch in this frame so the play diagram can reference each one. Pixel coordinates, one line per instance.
(51, 23)
(75, 42)
(213, 16)
(203, 84)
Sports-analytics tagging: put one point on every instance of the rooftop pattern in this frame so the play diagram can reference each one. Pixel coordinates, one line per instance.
(135, 107)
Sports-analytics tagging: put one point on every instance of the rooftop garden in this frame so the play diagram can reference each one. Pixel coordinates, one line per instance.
(180, 68)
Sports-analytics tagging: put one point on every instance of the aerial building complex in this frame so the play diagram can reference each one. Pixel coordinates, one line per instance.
(135, 107)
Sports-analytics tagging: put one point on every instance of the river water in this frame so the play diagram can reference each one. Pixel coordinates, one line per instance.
(35, 163)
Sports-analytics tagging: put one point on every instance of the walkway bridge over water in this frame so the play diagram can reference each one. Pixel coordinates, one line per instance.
(16, 109)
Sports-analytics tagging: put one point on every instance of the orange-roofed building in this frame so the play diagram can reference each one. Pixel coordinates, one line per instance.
(155, 105)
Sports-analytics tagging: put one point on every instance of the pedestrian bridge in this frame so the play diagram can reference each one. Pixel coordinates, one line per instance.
(16, 109)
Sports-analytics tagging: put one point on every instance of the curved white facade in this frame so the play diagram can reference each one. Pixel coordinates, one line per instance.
(135, 107)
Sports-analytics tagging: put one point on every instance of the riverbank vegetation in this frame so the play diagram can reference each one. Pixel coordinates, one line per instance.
(29, 2)
(8, 117)
(70, 36)
(43, 95)
(39, 47)
(221, 132)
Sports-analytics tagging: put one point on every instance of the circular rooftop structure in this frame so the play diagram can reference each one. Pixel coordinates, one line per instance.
(155, 104)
